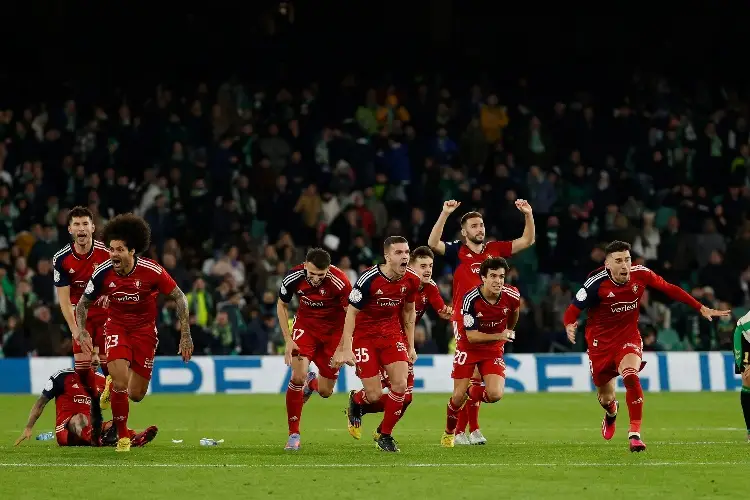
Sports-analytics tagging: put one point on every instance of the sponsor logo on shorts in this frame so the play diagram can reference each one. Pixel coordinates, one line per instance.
(636, 347)
(620, 307)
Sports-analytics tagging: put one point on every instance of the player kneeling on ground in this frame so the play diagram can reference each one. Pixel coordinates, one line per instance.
(323, 292)
(742, 365)
(612, 294)
(489, 313)
(73, 418)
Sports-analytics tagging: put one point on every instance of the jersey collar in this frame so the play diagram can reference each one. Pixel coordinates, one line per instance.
(609, 275)
(82, 257)
(479, 289)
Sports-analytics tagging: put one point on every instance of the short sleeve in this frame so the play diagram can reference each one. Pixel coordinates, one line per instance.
(165, 283)
(500, 248)
(55, 386)
(588, 295)
(451, 252)
(59, 274)
(94, 286)
(346, 290)
(289, 285)
(360, 293)
(469, 317)
(434, 297)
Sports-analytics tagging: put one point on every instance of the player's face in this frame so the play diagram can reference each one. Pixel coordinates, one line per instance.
(120, 255)
(618, 264)
(314, 275)
(81, 229)
(397, 258)
(494, 281)
(473, 230)
(423, 267)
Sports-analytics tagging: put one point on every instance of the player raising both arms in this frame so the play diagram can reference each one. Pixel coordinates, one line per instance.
(611, 295)
(73, 422)
(73, 267)
(421, 262)
(489, 314)
(323, 292)
(465, 257)
(380, 302)
(133, 284)
(742, 365)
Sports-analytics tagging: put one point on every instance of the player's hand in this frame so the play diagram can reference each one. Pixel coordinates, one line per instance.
(102, 301)
(342, 357)
(571, 330)
(450, 206)
(412, 355)
(714, 313)
(508, 335)
(84, 339)
(289, 348)
(446, 312)
(26, 434)
(186, 346)
(524, 207)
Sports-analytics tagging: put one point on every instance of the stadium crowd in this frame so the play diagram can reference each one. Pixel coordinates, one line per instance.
(238, 181)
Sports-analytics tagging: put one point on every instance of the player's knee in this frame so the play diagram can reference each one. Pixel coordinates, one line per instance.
(398, 386)
(297, 379)
(325, 392)
(374, 395)
(137, 395)
(458, 397)
(494, 395)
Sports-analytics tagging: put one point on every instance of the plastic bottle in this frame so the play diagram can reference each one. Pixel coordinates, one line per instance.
(45, 436)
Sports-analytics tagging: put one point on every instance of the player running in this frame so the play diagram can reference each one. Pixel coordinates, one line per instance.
(489, 314)
(382, 300)
(611, 294)
(421, 261)
(73, 266)
(742, 365)
(73, 421)
(465, 257)
(133, 283)
(323, 292)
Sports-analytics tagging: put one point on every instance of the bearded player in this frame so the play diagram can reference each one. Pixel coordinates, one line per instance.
(465, 257)
(382, 300)
(421, 261)
(742, 365)
(73, 266)
(323, 292)
(133, 283)
(611, 295)
(73, 421)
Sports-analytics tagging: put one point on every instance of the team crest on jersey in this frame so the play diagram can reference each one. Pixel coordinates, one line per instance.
(137, 283)
(635, 288)
(505, 310)
(322, 292)
(403, 289)
(468, 321)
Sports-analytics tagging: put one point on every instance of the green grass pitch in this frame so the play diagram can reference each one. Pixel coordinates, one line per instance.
(540, 446)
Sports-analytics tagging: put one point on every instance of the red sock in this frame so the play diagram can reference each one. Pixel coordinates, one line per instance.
(376, 407)
(294, 402)
(477, 394)
(86, 434)
(610, 408)
(86, 374)
(360, 398)
(634, 398)
(394, 404)
(473, 409)
(454, 414)
(407, 402)
(463, 419)
(120, 409)
(313, 384)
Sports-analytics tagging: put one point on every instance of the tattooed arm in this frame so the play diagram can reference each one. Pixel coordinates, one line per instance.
(36, 412)
(82, 310)
(186, 341)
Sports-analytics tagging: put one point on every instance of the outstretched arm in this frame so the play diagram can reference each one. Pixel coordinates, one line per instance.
(186, 340)
(529, 230)
(36, 412)
(82, 310)
(434, 240)
(674, 292)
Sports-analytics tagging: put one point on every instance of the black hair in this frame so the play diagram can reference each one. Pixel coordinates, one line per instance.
(493, 264)
(393, 240)
(318, 258)
(470, 215)
(80, 212)
(131, 229)
(617, 246)
(420, 253)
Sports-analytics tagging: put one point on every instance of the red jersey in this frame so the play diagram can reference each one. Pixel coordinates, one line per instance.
(481, 315)
(381, 300)
(325, 303)
(428, 293)
(613, 308)
(74, 270)
(132, 298)
(70, 397)
(466, 263)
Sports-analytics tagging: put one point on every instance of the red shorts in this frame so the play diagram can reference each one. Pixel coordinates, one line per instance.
(488, 363)
(372, 354)
(95, 327)
(604, 363)
(137, 345)
(64, 436)
(318, 345)
(409, 379)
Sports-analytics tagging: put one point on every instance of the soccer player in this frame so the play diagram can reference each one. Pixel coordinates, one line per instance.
(421, 261)
(73, 422)
(489, 313)
(611, 295)
(323, 292)
(73, 266)
(133, 284)
(742, 365)
(381, 301)
(465, 257)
